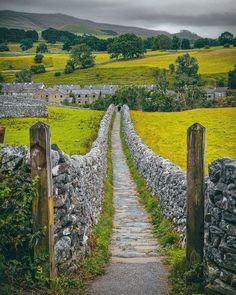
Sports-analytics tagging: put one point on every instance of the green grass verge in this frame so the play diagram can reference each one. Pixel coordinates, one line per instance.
(164, 232)
(73, 130)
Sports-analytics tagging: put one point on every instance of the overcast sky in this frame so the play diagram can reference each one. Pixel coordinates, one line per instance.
(205, 17)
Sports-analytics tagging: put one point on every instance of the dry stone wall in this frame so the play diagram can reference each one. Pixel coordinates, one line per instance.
(78, 192)
(21, 107)
(168, 182)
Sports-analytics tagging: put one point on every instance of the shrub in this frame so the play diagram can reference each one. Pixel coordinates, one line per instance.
(38, 69)
(24, 76)
(226, 45)
(70, 67)
(38, 58)
(3, 47)
(57, 74)
(17, 266)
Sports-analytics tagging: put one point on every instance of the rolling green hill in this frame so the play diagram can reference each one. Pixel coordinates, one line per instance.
(214, 63)
(41, 21)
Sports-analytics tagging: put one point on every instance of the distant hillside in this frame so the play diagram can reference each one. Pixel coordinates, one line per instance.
(41, 21)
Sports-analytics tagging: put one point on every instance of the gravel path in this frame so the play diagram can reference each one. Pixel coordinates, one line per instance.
(135, 268)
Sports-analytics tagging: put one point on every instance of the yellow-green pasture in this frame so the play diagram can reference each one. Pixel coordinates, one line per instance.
(165, 133)
(50, 61)
(211, 61)
(214, 63)
(73, 130)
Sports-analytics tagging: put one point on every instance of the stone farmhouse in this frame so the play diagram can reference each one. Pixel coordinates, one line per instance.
(214, 93)
(52, 95)
(59, 93)
(21, 89)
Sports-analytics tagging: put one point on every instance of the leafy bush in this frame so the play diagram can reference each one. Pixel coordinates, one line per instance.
(38, 69)
(17, 266)
(57, 74)
(3, 47)
(70, 67)
(24, 76)
(38, 58)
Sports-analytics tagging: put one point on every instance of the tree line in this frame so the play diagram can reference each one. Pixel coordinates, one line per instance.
(17, 35)
(122, 44)
(189, 90)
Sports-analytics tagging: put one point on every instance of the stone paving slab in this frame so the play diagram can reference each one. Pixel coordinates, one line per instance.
(136, 267)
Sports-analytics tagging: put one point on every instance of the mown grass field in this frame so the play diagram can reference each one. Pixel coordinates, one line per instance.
(166, 133)
(72, 130)
(214, 63)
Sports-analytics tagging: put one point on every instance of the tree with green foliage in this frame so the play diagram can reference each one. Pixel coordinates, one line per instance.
(132, 96)
(234, 42)
(176, 43)
(42, 48)
(32, 34)
(38, 69)
(4, 47)
(82, 57)
(26, 44)
(226, 38)
(38, 58)
(232, 79)
(23, 76)
(161, 42)
(70, 67)
(128, 46)
(185, 44)
(187, 65)
(16, 35)
(52, 35)
(161, 81)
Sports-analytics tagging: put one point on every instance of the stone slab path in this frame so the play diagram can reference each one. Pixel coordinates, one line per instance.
(135, 268)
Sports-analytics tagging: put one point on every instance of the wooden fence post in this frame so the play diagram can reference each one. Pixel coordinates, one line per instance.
(2, 134)
(40, 155)
(195, 194)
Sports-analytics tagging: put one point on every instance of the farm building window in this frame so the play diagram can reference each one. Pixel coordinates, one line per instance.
(79, 101)
(79, 95)
(93, 96)
(86, 95)
(61, 96)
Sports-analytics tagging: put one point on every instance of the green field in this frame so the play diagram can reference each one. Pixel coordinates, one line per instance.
(165, 133)
(214, 63)
(72, 130)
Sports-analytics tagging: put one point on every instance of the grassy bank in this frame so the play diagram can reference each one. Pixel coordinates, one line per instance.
(73, 130)
(164, 232)
(165, 133)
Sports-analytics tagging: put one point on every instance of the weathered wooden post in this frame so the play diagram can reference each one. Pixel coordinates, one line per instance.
(2, 134)
(195, 194)
(40, 155)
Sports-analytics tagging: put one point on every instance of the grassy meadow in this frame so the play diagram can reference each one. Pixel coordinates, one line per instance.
(72, 130)
(214, 63)
(166, 133)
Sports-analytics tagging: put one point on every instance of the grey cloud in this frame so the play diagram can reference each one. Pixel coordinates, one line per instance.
(215, 14)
